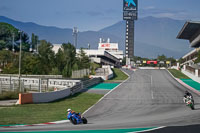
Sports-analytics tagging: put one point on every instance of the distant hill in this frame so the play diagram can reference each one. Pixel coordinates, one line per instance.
(153, 36)
(158, 32)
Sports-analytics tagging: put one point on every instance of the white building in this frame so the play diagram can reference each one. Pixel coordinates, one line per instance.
(112, 48)
(106, 54)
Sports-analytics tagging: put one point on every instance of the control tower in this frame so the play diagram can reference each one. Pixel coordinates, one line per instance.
(130, 12)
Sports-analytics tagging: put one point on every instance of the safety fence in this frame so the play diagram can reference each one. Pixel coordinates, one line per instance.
(32, 76)
(80, 73)
(34, 84)
(56, 95)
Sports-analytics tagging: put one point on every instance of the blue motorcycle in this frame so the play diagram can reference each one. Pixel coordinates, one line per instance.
(76, 118)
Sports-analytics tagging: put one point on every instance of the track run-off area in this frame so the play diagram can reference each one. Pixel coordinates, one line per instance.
(148, 99)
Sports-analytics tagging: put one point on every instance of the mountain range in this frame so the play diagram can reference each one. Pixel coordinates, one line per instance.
(153, 36)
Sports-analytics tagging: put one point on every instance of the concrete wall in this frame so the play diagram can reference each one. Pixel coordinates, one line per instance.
(56, 95)
(109, 75)
(50, 96)
(192, 76)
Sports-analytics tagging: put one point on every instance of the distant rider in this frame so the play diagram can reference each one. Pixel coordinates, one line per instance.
(188, 95)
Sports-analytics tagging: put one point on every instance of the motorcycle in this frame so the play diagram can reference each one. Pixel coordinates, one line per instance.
(76, 118)
(189, 101)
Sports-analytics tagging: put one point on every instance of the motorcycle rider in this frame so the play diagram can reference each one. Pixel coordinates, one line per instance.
(71, 112)
(188, 95)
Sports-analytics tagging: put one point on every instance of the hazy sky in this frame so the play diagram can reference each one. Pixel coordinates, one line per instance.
(93, 14)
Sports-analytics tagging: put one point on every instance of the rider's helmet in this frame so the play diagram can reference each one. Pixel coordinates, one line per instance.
(187, 93)
(69, 110)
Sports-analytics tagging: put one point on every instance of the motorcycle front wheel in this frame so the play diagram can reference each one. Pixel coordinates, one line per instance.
(73, 121)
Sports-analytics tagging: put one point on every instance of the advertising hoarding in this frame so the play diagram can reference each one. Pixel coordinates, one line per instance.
(108, 46)
(130, 8)
(130, 5)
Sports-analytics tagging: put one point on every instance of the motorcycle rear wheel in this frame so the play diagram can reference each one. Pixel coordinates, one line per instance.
(192, 107)
(84, 120)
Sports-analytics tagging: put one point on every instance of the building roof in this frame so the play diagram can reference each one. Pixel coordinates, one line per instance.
(190, 53)
(190, 31)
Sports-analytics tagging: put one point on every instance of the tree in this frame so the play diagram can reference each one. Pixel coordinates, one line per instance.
(84, 61)
(60, 60)
(34, 41)
(25, 42)
(30, 63)
(8, 62)
(6, 35)
(69, 53)
(46, 57)
(161, 58)
(172, 60)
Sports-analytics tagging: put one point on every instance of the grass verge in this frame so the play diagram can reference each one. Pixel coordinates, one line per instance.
(178, 74)
(118, 75)
(9, 95)
(40, 113)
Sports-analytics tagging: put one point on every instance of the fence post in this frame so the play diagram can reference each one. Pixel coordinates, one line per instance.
(10, 84)
(47, 84)
(39, 85)
(1, 87)
(13, 84)
(81, 85)
(196, 72)
(22, 84)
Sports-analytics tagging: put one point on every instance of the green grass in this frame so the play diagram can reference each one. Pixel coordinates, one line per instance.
(40, 113)
(178, 74)
(118, 75)
(9, 95)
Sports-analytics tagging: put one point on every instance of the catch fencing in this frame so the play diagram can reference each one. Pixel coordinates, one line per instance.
(56, 95)
(34, 84)
(80, 73)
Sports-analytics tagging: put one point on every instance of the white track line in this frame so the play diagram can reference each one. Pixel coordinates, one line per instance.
(148, 130)
(107, 93)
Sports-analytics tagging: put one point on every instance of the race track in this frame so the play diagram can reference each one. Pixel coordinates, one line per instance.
(149, 98)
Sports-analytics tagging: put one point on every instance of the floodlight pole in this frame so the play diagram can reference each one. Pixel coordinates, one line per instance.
(20, 49)
(13, 39)
(75, 34)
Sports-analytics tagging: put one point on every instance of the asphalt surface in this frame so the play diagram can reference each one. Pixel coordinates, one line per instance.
(149, 98)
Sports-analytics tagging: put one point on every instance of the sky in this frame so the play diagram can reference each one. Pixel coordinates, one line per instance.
(93, 14)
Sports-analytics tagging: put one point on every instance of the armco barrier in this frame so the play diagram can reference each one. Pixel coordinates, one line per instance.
(56, 95)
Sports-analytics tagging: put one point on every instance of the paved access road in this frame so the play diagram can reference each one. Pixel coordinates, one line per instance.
(149, 98)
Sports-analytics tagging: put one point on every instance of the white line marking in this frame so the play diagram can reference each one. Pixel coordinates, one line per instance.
(152, 94)
(108, 93)
(148, 130)
(152, 88)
